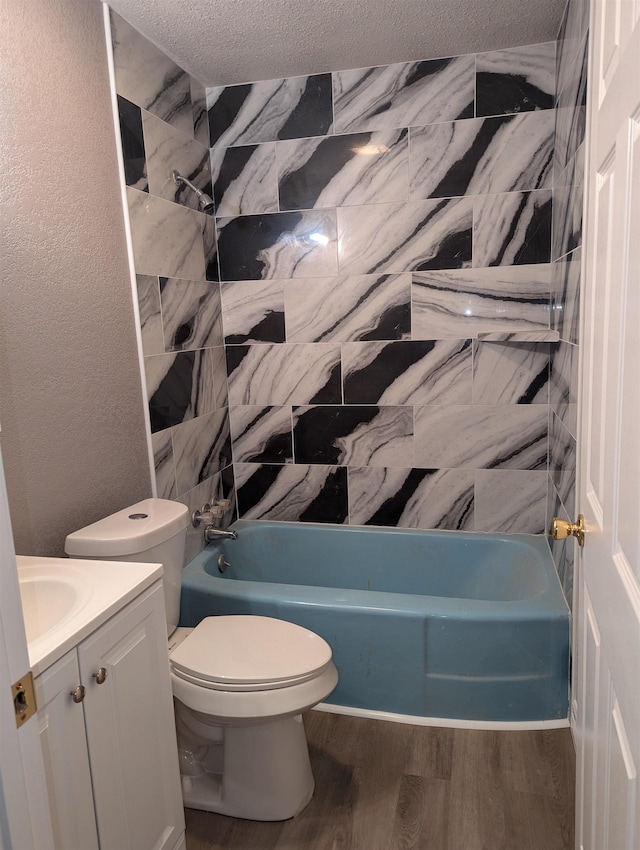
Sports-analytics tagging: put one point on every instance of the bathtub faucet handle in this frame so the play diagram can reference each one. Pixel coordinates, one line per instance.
(208, 514)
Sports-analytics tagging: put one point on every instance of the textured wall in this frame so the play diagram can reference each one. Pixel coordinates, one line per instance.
(71, 409)
(571, 71)
(374, 226)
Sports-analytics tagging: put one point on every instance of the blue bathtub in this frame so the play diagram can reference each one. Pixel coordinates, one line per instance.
(462, 626)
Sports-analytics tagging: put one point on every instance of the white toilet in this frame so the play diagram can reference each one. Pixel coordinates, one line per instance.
(240, 683)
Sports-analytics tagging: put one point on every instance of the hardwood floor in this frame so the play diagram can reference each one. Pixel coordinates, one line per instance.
(390, 786)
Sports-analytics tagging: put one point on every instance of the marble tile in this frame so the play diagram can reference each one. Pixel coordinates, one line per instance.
(571, 110)
(415, 236)
(180, 386)
(191, 314)
(253, 311)
(565, 296)
(293, 492)
(567, 207)
(133, 152)
(512, 229)
(563, 388)
(562, 464)
(471, 301)
(280, 245)
(481, 436)
(216, 487)
(261, 434)
(210, 247)
(169, 150)
(167, 238)
(165, 469)
(245, 179)
(218, 363)
(291, 108)
(150, 315)
(407, 372)
(411, 498)
(482, 155)
(509, 501)
(333, 171)
(199, 112)
(393, 96)
(573, 29)
(346, 308)
(148, 78)
(562, 551)
(284, 374)
(519, 79)
(353, 435)
(201, 448)
(510, 373)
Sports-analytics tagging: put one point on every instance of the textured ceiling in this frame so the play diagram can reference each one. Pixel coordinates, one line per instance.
(236, 41)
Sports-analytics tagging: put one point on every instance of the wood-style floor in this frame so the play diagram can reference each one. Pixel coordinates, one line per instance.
(390, 786)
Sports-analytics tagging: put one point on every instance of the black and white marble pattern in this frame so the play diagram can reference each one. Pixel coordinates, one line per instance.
(261, 434)
(415, 236)
(181, 386)
(253, 311)
(210, 247)
(512, 229)
(567, 209)
(280, 245)
(293, 492)
(411, 372)
(150, 315)
(563, 387)
(332, 171)
(519, 79)
(562, 464)
(393, 96)
(245, 179)
(165, 469)
(201, 448)
(571, 109)
(481, 436)
(167, 238)
(284, 374)
(412, 498)
(467, 302)
(348, 308)
(191, 314)
(510, 501)
(482, 155)
(353, 435)
(133, 151)
(199, 112)
(291, 108)
(167, 150)
(562, 551)
(510, 373)
(148, 78)
(565, 296)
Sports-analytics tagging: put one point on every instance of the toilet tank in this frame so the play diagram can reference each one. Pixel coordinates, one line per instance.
(152, 531)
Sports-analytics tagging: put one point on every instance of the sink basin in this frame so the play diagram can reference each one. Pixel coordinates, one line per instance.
(50, 598)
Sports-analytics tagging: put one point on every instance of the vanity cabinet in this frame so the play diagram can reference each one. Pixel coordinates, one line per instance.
(111, 759)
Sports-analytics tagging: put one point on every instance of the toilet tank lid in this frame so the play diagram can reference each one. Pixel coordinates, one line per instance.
(134, 529)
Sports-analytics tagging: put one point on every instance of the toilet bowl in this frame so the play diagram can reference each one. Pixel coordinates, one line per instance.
(240, 683)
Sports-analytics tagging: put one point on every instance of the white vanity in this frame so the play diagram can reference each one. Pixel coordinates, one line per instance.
(97, 640)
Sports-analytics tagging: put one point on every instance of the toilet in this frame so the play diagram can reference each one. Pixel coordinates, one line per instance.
(239, 683)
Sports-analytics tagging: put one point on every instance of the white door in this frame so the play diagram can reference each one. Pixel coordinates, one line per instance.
(608, 663)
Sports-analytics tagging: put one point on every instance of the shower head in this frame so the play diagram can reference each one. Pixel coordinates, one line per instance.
(204, 201)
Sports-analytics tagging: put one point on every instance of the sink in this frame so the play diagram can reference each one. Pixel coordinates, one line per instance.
(50, 598)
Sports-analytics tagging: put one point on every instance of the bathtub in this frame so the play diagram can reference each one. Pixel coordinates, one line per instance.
(429, 625)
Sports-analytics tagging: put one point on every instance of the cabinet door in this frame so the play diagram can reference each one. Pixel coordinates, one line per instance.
(66, 763)
(130, 729)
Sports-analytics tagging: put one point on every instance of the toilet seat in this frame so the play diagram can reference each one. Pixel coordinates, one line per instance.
(246, 653)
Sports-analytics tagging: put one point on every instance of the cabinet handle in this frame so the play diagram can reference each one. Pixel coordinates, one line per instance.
(100, 676)
(77, 693)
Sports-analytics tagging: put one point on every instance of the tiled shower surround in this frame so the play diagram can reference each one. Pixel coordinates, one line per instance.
(372, 225)
(379, 236)
(571, 76)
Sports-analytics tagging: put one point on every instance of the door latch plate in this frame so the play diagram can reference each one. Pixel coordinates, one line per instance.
(24, 698)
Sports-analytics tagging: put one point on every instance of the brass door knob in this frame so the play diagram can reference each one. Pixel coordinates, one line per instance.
(560, 529)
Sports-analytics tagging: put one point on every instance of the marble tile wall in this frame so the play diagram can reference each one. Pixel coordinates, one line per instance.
(164, 126)
(370, 225)
(568, 166)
